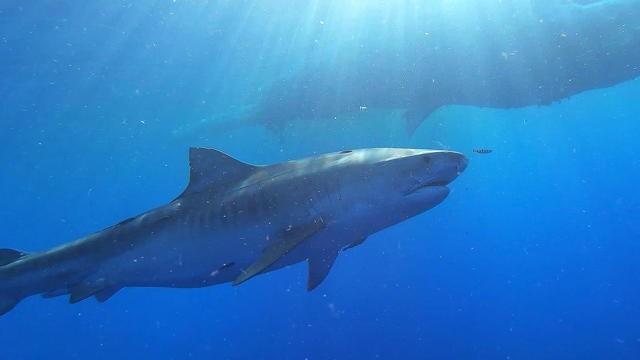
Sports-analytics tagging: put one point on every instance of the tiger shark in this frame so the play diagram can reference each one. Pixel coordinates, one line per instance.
(235, 221)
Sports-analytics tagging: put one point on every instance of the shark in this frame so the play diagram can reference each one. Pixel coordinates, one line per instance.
(236, 220)
(519, 55)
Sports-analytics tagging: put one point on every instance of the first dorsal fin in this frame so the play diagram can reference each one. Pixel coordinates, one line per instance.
(209, 167)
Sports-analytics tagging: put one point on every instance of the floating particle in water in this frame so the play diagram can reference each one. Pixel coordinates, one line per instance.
(218, 270)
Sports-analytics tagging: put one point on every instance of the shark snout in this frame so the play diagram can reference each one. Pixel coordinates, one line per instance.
(460, 160)
(445, 166)
(436, 170)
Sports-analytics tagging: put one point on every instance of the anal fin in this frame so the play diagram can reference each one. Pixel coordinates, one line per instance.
(80, 292)
(106, 294)
(84, 290)
(289, 240)
(55, 293)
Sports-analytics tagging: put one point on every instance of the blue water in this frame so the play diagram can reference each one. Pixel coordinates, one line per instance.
(534, 255)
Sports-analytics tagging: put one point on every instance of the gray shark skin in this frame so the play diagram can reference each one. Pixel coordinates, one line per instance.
(537, 56)
(235, 221)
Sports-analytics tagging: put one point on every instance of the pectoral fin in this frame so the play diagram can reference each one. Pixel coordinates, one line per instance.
(289, 240)
(319, 267)
(355, 243)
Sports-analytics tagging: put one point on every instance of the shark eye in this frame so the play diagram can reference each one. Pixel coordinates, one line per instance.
(346, 152)
(426, 159)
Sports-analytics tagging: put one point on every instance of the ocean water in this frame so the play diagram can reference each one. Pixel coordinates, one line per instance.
(534, 254)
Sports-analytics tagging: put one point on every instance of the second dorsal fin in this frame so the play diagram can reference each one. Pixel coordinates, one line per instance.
(213, 168)
(7, 256)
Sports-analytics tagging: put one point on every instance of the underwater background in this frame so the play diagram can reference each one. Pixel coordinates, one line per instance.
(534, 255)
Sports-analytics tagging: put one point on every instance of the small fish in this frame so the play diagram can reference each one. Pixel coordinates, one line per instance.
(482, 151)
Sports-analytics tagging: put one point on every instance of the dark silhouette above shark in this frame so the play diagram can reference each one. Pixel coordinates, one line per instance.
(534, 56)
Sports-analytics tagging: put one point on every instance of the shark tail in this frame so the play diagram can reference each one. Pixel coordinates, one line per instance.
(414, 117)
(9, 298)
(23, 275)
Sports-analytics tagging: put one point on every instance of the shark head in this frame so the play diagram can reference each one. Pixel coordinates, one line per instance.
(420, 177)
(387, 186)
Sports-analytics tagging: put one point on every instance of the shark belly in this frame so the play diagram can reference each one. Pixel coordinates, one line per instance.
(186, 255)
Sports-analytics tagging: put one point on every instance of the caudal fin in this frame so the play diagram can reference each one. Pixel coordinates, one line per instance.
(14, 286)
(414, 117)
(8, 300)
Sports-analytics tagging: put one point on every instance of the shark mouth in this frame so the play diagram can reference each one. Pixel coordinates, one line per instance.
(434, 184)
